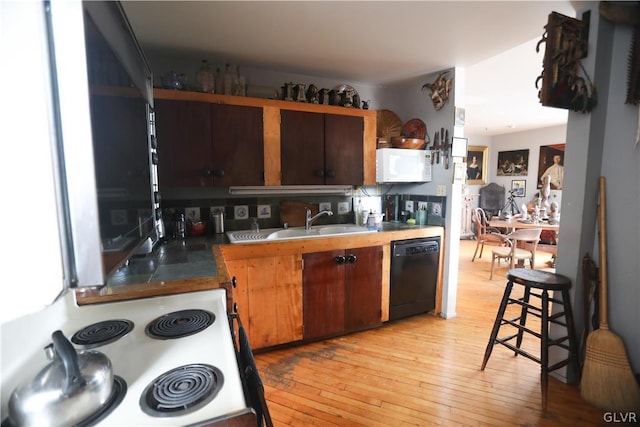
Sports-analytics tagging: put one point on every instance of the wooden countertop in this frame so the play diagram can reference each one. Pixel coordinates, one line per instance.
(221, 252)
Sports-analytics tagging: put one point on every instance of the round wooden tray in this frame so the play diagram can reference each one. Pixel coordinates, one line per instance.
(388, 124)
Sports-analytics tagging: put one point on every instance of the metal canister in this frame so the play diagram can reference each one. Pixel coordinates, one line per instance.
(217, 218)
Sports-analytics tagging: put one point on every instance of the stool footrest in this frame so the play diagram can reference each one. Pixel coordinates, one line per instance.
(523, 303)
(513, 323)
(559, 365)
(518, 350)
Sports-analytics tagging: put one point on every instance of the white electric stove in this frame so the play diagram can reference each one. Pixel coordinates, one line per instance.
(173, 354)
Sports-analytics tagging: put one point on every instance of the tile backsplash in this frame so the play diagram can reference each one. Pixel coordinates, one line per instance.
(238, 212)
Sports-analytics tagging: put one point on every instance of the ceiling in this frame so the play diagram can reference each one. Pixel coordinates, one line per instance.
(375, 43)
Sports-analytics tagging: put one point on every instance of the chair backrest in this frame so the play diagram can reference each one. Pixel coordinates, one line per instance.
(479, 218)
(492, 198)
(527, 235)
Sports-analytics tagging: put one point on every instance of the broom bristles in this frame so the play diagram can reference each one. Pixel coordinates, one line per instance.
(607, 380)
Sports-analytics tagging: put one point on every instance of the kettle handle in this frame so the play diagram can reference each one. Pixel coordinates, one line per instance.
(73, 379)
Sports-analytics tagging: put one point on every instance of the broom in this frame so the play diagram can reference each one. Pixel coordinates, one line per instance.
(607, 379)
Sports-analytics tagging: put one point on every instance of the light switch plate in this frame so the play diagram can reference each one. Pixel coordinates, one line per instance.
(408, 205)
(241, 212)
(264, 211)
(343, 208)
(325, 206)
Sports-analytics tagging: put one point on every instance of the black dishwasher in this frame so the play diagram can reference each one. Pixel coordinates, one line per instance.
(414, 274)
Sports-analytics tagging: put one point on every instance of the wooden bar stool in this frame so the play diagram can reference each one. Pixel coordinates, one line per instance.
(544, 282)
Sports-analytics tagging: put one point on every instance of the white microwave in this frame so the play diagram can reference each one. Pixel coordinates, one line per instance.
(402, 165)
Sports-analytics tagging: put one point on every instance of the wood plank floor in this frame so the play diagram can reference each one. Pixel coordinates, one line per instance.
(421, 371)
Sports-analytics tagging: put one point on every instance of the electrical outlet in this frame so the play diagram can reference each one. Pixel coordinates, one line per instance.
(408, 205)
(441, 190)
(325, 206)
(343, 208)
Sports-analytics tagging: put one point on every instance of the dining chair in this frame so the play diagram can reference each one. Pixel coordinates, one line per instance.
(485, 233)
(522, 245)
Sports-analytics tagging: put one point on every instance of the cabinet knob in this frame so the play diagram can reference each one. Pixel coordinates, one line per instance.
(207, 172)
(319, 173)
(218, 172)
(234, 282)
(340, 259)
(331, 173)
(351, 258)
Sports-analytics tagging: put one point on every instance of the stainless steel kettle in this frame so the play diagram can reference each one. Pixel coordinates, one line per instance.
(65, 392)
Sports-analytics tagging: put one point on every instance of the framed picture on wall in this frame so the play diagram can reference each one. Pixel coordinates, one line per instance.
(477, 160)
(551, 163)
(519, 187)
(513, 163)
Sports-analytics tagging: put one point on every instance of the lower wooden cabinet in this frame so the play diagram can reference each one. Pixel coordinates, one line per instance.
(269, 296)
(342, 291)
(289, 298)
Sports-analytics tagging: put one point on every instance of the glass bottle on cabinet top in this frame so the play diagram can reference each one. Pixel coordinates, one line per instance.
(240, 84)
(219, 83)
(228, 80)
(205, 78)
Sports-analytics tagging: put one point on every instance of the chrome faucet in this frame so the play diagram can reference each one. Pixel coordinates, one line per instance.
(310, 219)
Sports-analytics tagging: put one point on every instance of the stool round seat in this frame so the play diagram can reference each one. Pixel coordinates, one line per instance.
(539, 279)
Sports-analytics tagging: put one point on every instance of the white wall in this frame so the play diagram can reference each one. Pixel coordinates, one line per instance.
(531, 140)
(31, 258)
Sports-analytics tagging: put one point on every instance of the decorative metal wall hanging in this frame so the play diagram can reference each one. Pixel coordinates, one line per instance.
(565, 82)
(439, 90)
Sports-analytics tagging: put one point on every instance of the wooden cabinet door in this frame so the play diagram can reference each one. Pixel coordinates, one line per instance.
(343, 144)
(269, 297)
(363, 288)
(238, 147)
(323, 290)
(302, 148)
(183, 131)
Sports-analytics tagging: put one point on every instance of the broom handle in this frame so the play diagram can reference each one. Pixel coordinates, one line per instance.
(602, 249)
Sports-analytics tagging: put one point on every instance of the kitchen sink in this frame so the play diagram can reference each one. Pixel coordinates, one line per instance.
(276, 234)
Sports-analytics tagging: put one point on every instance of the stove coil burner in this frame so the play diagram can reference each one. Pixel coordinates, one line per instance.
(102, 333)
(182, 390)
(117, 395)
(179, 324)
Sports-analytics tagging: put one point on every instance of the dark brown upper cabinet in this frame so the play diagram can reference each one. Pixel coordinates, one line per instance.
(320, 148)
(202, 144)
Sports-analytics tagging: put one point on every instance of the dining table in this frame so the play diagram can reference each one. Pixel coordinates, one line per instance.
(514, 223)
